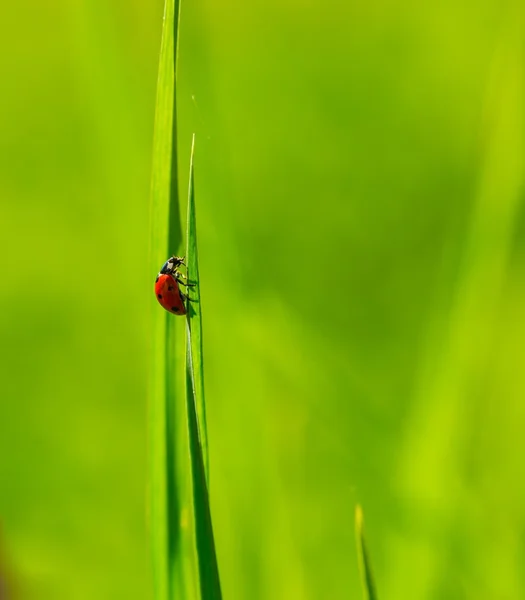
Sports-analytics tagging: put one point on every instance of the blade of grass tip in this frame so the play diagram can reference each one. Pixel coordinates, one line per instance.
(195, 318)
(164, 503)
(207, 558)
(369, 590)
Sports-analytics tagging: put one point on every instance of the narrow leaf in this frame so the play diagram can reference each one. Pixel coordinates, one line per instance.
(164, 495)
(195, 318)
(369, 591)
(207, 559)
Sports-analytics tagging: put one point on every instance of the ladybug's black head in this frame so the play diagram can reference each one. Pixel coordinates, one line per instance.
(172, 264)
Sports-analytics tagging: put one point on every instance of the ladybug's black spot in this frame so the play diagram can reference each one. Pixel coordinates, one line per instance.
(175, 308)
(159, 296)
(170, 288)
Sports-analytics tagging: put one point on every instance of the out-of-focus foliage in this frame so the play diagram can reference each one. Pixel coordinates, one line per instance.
(360, 188)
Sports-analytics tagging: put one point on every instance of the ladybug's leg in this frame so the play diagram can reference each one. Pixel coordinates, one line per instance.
(185, 297)
(180, 276)
(185, 284)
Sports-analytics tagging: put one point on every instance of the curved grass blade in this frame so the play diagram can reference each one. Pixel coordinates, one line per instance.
(369, 590)
(207, 559)
(164, 385)
(194, 319)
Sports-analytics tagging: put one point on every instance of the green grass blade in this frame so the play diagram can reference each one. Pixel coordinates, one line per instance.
(166, 231)
(207, 559)
(164, 385)
(206, 555)
(194, 320)
(369, 590)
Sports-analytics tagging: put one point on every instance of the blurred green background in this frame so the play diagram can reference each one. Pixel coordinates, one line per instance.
(360, 198)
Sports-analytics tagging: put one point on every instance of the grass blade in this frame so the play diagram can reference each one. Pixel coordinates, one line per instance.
(206, 555)
(369, 590)
(194, 320)
(166, 231)
(164, 385)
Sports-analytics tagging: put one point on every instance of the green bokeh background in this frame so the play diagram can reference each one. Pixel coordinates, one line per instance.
(360, 196)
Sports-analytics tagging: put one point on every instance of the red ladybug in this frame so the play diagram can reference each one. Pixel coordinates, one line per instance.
(167, 289)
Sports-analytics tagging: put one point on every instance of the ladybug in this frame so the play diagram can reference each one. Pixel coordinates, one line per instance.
(167, 289)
